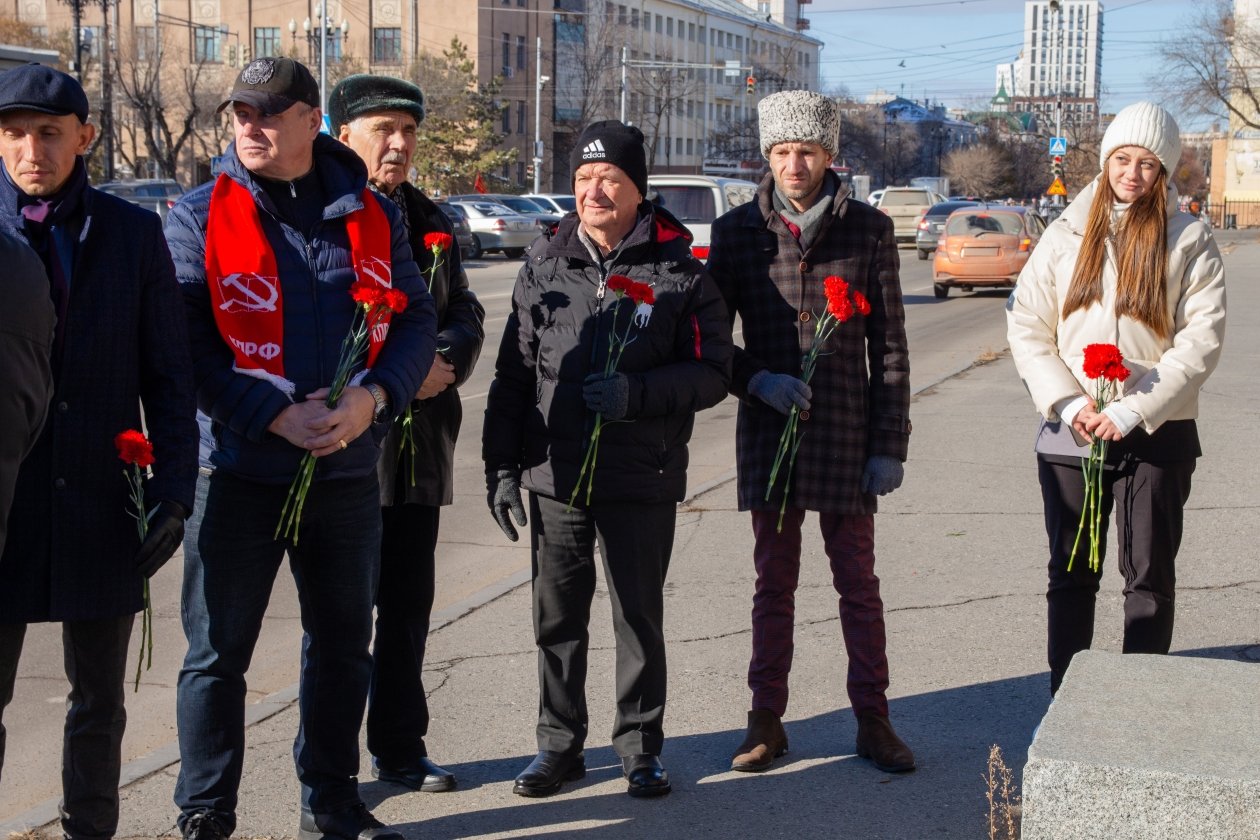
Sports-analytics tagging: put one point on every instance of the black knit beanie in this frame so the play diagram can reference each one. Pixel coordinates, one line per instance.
(612, 141)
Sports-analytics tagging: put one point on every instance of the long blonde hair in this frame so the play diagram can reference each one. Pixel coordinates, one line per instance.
(1141, 246)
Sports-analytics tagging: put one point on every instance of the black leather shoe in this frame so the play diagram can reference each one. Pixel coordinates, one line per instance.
(548, 772)
(204, 826)
(646, 775)
(421, 774)
(355, 823)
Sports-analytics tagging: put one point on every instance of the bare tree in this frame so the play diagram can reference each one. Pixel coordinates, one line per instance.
(975, 170)
(1210, 65)
(660, 93)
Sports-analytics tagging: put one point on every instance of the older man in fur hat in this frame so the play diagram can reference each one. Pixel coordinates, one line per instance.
(770, 258)
(377, 117)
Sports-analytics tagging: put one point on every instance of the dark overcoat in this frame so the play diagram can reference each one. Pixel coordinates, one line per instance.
(70, 553)
(436, 421)
(861, 386)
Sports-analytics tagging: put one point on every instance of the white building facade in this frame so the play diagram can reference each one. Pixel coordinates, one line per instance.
(1061, 59)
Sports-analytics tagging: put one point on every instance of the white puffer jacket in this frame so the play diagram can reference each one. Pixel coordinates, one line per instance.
(1166, 373)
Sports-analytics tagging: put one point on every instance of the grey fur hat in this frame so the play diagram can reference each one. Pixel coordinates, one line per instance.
(799, 116)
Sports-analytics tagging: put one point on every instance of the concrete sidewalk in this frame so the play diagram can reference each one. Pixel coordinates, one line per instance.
(961, 553)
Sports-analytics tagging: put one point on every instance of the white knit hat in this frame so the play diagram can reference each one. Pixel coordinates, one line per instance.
(1147, 125)
(799, 116)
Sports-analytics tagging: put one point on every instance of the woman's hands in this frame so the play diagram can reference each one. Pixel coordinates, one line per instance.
(1088, 422)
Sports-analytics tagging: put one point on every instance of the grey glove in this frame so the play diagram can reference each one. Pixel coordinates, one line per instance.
(504, 494)
(780, 391)
(883, 474)
(608, 395)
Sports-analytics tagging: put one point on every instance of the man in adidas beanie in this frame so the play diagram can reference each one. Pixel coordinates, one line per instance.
(618, 263)
(804, 228)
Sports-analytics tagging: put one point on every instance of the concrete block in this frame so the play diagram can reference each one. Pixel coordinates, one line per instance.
(1147, 747)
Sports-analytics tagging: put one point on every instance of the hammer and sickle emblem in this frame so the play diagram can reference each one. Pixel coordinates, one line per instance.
(248, 292)
(377, 269)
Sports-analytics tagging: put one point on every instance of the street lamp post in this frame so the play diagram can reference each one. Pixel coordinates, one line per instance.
(322, 30)
(539, 81)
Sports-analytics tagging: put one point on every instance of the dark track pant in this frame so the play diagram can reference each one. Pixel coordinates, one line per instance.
(398, 714)
(1149, 501)
(95, 654)
(635, 542)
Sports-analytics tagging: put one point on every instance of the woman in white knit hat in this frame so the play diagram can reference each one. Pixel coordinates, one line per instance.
(1122, 267)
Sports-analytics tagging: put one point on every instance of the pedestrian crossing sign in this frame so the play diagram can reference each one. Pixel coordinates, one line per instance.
(1057, 188)
(1058, 146)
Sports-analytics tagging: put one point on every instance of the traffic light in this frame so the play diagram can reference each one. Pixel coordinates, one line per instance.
(1056, 167)
(751, 85)
(231, 55)
(529, 170)
(244, 55)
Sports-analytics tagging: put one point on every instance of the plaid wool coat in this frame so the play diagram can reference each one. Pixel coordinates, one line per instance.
(861, 386)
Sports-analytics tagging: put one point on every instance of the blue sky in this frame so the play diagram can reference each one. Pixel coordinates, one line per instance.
(950, 47)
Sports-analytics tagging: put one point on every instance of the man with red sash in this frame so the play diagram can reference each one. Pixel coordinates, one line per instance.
(266, 256)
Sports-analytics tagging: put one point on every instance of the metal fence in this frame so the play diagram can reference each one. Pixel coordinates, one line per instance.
(1235, 214)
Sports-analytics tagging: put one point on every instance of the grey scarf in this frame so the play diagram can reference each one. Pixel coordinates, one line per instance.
(811, 219)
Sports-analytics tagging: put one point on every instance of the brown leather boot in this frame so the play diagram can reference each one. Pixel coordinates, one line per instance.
(764, 742)
(877, 741)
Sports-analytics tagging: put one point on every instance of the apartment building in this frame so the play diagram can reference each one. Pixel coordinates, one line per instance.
(1061, 62)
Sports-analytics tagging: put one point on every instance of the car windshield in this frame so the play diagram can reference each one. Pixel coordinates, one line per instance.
(941, 211)
(903, 198)
(490, 208)
(971, 224)
(567, 202)
(523, 205)
(689, 204)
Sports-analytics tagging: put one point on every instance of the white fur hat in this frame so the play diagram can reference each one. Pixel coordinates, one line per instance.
(799, 116)
(1147, 125)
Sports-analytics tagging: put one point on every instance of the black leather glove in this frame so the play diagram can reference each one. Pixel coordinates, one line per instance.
(166, 532)
(780, 391)
(503, 493)
(608, 395)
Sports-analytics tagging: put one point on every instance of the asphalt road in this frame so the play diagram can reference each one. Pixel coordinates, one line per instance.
(946, 336)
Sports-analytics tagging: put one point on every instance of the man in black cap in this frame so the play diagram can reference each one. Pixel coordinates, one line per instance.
(619, 266)
(377, 117)
(73, 553)
(267, 255)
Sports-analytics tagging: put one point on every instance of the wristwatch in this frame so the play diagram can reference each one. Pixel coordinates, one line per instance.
(380, 398)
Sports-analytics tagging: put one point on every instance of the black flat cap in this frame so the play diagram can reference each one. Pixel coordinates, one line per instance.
(362, 94)
(273, 86)
(38, 87)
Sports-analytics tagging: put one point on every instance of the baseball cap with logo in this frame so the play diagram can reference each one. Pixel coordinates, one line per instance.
(273, 86)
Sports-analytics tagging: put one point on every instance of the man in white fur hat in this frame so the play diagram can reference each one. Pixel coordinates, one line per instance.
(770, 258)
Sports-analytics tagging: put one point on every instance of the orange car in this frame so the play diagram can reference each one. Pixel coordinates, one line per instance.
(984, 246)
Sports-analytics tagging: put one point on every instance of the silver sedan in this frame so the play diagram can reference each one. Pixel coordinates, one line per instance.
(496, 227)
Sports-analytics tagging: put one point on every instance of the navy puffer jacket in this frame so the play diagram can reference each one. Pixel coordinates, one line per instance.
(234, 410)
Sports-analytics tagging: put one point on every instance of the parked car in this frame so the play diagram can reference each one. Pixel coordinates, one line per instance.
(984, 245)
(156, 195)
(543, 217)
(874, 197)
(931, 223)
(904, 205)
(556, 202)
(696, 200)
(496, 227)
(463, 232)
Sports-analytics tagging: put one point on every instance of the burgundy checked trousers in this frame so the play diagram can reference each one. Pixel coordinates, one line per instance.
(849, 541)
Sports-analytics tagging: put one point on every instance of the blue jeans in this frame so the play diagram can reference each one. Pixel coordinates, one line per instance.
(231, 558)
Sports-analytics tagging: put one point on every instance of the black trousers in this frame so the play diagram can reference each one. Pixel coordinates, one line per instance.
(1149, 500)
(398, 714)
(95, 654)
(635, 541)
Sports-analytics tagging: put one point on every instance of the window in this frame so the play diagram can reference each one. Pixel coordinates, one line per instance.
(520, 116)
(146, 44)
(634, 18)
(386, 45)
(669, 27)
(335, 43)
(91, 41)
(660, 24)
(507, 54)
(267, 41)
(205, 45)
(678, 145)
(520, 172)
(520, 52)
(691, 32)
(690, 146)
(507, 122)
(621, 16)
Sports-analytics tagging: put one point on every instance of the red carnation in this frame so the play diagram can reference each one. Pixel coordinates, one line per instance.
(620, 283)
(369, 293)
(838, 303)
(395, 300)
(863, 305)
(1106, 362)
(437, 241)
(134, 448)
(641, 293)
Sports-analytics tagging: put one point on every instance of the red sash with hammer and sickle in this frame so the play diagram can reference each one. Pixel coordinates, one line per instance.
(245, 284)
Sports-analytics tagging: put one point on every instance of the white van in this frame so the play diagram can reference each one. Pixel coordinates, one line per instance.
(696, 200)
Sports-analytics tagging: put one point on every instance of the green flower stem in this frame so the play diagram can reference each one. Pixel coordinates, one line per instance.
(135, 483)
